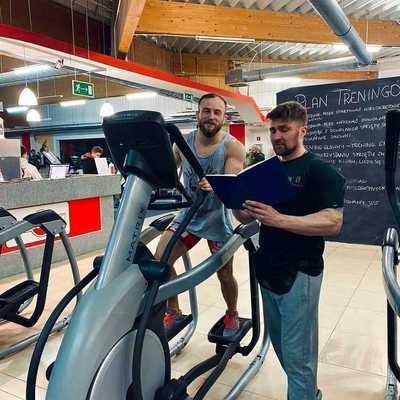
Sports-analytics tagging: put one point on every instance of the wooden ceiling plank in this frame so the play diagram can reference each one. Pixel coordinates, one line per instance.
(129, 15)
(171, 17)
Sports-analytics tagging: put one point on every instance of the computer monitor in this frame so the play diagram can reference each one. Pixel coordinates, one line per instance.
(89, 166)
(10, 154)
(58, 171)
(102, 166)
(10, 168)
(51, 157)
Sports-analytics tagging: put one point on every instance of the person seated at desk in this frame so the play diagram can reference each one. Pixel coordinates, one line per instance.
(88, 163)
(28, 170)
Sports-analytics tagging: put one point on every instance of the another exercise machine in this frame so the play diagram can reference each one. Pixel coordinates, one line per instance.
(116, 346)
(15, 300)
(390, 254)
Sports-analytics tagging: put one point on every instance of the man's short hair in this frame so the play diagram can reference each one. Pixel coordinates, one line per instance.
(212, 96)
(289, 111)
(96, 149)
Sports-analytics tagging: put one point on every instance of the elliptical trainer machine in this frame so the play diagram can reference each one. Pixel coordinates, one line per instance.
(390, 253)
(116, 347)
(18, 297)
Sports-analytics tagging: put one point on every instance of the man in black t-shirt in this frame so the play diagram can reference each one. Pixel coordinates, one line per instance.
(88, 163)
(289, 262)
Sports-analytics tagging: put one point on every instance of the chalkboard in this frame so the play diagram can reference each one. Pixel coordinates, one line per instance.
(347, 129)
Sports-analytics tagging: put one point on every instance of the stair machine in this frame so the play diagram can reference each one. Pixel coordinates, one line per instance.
(390, 253)
(16, 299)
(116, 346)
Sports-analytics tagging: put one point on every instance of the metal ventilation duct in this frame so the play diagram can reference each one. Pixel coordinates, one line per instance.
(334, 16)
(238, 77)
(331, 12)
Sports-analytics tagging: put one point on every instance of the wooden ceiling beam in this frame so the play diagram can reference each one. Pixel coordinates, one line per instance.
(129, 14)
(175, 18)
(342, 75)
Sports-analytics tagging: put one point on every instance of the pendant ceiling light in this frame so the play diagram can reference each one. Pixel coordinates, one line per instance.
(106, 110)
(33, 116)
(27, 98)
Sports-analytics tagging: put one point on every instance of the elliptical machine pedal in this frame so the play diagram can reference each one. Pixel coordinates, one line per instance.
(216, 332)
(178, 326)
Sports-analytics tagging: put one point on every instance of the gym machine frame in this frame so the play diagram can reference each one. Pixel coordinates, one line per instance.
(108, 321)
(16, 299)
(390, 254)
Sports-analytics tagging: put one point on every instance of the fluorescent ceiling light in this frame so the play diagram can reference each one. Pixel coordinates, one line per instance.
(106, 110)
(16, 110)
(373, 48)
(141, 95)
(224, 39)
(27, 98)
(29, 69)
(344, 47)
(33, 116)
(286, 79)
(72, 103)
(340, 47)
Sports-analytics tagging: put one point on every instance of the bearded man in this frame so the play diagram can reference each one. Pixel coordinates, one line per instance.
(218, 153)
(289, 262)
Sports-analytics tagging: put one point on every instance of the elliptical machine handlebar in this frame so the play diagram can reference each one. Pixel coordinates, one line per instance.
(47, 220)
(389, 261)
(177, 138)
(392, 139)
(391, 154)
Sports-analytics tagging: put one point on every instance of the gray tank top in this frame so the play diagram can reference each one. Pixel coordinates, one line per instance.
(213, 221)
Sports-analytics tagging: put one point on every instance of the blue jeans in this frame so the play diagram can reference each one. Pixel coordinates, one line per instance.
(292, 321)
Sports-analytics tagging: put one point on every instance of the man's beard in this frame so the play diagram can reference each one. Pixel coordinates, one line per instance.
(209, 131)
(282, 150)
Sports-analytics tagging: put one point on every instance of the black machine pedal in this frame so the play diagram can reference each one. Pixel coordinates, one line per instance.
(216, 333)
(184, 321)
(14, 298)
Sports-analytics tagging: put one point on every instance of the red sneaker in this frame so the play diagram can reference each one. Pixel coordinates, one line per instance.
(171, 316)
(231, 323)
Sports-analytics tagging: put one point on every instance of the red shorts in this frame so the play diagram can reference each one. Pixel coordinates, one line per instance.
(189, 240)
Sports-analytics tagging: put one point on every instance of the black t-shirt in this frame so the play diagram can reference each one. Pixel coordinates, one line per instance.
(318, 186)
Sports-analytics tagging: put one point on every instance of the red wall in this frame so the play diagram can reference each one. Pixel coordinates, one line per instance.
(26, 141)
(238, 131)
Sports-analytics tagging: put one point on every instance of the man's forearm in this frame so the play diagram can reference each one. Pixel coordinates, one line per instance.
(323, 223)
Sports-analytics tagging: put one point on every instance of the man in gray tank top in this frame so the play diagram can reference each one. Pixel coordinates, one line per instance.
(218, 152)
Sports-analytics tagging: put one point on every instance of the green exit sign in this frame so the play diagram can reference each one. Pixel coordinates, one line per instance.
(188, 96)
(80, 88)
